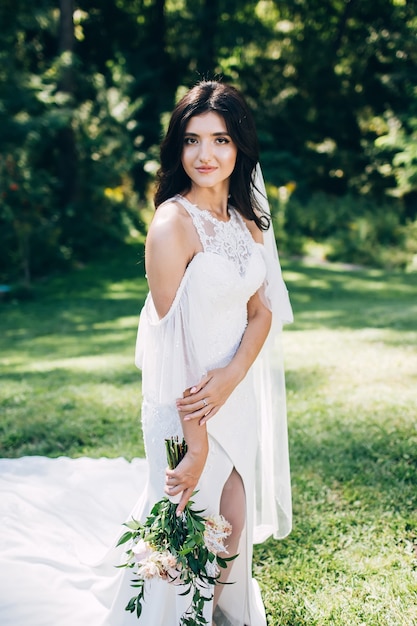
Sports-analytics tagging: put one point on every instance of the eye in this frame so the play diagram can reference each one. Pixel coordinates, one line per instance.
(222, 140)
(190, 141)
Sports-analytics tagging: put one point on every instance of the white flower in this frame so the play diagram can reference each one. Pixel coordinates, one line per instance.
(148, 569)
(167, 560)
(216, 531)
(154, 564)
(212, 569)
(142, 550)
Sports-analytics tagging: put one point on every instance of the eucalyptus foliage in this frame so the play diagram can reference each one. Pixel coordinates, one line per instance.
(176, 548)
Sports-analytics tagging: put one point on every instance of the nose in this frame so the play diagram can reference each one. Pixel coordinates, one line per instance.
(205, 153)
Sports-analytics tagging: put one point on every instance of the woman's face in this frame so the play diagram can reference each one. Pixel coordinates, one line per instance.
(209, 153)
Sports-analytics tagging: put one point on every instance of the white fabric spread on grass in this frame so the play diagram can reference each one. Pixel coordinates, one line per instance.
(57, 516)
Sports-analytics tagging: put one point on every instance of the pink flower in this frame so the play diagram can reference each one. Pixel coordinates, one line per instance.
(148, 569)
(154, 564)
(141, 550)
(167, 560)
(173, 576)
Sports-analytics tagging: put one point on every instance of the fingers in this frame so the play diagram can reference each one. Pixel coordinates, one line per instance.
(188, 395)
(172, 483)
(173, 490)
(186, 495)
(194, 402)
(203, 382)
(176, 483)
(208, 416)
(173, 487)
(195, 409)
(198, 404)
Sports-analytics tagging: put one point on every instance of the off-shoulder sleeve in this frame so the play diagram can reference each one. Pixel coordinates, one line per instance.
(166, 349)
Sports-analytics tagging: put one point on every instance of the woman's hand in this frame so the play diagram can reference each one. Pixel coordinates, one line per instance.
(204, 400)
(185, 476)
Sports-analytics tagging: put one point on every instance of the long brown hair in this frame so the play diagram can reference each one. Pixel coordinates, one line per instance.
(229, 103)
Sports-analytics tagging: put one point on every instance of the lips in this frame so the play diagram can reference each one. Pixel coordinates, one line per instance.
(205, 170)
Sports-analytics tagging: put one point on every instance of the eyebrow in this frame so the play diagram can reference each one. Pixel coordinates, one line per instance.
(217, 134)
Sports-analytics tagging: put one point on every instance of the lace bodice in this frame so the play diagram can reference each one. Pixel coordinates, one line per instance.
(230, 239)
(205, 324)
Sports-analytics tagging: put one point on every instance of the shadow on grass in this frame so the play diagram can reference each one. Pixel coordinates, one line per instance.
(82, 300)
(71, 341)
(59, 377)
(364, 454)
(335, 297)
(69, 384)
(305, 380)
(72, 413)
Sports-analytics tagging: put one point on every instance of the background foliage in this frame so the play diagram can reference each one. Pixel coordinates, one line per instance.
(86, 87)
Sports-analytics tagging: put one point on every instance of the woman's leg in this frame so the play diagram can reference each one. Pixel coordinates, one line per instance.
(233, 508)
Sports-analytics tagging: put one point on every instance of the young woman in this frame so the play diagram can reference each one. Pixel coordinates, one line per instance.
(215, 292)
(206, 346)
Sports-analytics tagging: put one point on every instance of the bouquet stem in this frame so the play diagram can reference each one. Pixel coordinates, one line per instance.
(176, 451)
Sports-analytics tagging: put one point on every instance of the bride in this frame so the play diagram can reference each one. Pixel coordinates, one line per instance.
(206, 345)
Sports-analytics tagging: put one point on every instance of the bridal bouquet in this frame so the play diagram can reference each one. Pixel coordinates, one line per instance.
(182, 550)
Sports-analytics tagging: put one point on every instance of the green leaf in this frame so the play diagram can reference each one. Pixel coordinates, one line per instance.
(131, 605)
(124, 538)
(133, 524)
(186, 592)
(138, 609)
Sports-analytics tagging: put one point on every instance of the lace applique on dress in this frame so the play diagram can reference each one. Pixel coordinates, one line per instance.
(229, 239)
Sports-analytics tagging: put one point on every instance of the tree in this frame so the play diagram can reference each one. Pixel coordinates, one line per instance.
(85, 93)
(66, 144)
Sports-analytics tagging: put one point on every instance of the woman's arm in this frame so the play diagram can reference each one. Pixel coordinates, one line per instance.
(170, 245)
(218, 384)
(169, 248)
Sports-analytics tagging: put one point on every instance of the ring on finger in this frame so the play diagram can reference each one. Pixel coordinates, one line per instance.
(204, 402)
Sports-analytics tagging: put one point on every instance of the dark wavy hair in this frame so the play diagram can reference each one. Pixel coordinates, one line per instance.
(228, 102)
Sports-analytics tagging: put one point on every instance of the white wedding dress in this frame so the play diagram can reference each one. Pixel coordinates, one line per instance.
(48, 579)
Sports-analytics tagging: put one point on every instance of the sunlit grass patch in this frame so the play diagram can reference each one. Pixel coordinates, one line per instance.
(69, 387)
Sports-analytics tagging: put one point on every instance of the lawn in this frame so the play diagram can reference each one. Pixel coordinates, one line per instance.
(69, 387)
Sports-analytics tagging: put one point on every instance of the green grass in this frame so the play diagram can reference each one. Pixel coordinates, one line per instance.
(351, 361)
(69, 386)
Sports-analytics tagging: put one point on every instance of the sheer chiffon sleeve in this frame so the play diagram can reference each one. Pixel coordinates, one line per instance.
(166, 351)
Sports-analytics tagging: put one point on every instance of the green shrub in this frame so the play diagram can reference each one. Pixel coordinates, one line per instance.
(354, 229)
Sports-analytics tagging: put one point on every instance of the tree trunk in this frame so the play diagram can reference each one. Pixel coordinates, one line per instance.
(207, 56)
(66, 139)
(66, 26)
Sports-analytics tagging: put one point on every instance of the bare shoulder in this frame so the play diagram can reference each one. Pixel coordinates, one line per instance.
(170, 246)
(170, 218)
(171, 227)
